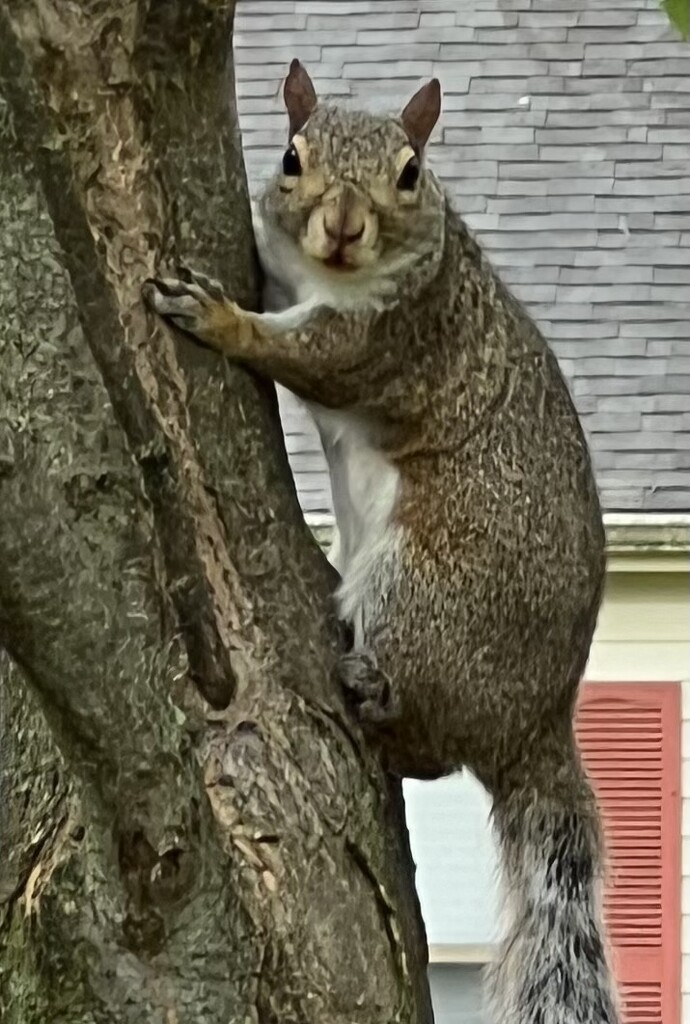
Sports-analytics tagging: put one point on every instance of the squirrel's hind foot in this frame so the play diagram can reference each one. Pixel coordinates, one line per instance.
(368, 688)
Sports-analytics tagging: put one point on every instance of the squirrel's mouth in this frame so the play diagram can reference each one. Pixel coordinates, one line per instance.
(337, 261)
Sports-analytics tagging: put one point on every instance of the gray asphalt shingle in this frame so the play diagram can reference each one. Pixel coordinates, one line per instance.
(565, 142)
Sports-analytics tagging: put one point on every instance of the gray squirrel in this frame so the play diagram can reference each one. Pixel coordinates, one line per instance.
(470, 539)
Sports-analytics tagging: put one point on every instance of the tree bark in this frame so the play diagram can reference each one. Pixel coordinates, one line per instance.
(191, 826)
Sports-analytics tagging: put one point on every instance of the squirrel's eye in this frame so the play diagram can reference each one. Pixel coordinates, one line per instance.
(292, 167)
(409, 176)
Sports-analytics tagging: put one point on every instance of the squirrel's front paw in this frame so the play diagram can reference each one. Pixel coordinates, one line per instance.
(368, 688)
(189, 302)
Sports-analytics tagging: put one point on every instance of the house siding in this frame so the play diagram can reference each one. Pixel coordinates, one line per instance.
(565, 143)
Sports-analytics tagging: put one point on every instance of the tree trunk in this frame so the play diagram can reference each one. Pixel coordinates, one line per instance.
(190, 824)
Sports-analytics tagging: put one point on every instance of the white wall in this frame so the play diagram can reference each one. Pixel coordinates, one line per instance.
(456, 862)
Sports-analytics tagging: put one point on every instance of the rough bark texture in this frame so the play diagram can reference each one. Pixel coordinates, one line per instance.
(190, 826)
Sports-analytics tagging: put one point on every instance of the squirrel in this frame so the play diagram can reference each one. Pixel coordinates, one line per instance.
(470, 548)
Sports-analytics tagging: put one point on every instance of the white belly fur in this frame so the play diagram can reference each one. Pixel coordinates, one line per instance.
(365, 487)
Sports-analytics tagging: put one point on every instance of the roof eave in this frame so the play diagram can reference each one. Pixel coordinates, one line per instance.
(627, 534)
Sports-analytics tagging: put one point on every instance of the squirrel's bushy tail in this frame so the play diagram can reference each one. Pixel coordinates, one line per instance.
(552, 966)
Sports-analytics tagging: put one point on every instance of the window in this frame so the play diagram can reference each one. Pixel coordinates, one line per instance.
(629, 735)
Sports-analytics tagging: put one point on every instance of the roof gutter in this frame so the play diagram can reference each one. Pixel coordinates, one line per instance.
(648, 542)
(635, 541)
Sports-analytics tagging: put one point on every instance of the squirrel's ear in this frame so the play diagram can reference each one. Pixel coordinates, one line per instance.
(421, 114)
(299, 95)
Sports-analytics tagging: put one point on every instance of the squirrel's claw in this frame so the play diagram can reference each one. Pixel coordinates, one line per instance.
(197, 305)
(185, 304)
(210, 286)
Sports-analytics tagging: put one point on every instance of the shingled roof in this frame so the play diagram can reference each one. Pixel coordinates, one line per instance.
(565, 143)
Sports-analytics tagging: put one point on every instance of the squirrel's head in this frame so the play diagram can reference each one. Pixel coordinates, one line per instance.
(352, 188)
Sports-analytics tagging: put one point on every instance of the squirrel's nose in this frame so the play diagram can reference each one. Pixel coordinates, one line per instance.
(343, 236)
(344, 217)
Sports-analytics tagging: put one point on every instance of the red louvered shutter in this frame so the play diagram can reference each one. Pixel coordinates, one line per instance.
(629, 736)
